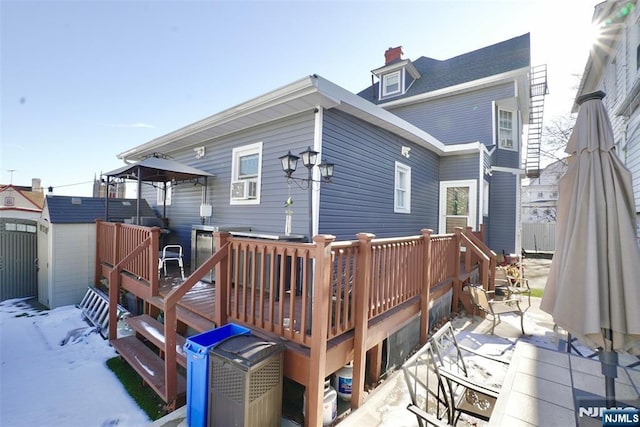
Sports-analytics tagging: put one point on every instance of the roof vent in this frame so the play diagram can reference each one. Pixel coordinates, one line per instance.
(76, 201)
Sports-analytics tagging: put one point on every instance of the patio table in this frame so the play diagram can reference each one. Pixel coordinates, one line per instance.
(545, 387)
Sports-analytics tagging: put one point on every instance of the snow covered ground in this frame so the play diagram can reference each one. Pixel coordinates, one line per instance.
(53, 372)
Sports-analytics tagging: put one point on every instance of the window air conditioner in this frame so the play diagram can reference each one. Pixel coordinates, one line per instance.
(244, 190)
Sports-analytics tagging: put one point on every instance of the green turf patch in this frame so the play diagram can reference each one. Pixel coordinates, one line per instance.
(144, 396)
(537, 292)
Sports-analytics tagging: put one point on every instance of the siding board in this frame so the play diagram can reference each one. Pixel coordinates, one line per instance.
(361, 196)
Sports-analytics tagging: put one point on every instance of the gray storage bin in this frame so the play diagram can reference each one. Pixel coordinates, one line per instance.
(245, 382)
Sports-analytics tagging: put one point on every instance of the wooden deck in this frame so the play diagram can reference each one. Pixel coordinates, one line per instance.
(351, 297)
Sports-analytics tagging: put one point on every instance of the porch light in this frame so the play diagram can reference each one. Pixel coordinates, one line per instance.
(289, 163)
(326, 171)
(309, 158)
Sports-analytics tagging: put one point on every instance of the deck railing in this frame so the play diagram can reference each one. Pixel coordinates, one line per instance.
(308, 293)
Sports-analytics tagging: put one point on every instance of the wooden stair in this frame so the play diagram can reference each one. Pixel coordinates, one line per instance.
(153, 331)
(144, 350)
(148, 364)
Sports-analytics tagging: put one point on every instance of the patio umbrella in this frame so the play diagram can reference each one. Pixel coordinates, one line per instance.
(593, 287)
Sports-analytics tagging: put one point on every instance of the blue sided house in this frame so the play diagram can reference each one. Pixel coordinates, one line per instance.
(430, 144)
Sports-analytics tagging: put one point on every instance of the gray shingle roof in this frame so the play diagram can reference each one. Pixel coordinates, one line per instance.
(491, 60)
(78, 210)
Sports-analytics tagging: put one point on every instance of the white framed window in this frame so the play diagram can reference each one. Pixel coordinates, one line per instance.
(391, 83)
(160, 194)
(246, 174)
(402, 193)
(506, 129)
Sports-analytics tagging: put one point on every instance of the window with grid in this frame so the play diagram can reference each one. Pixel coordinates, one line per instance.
(505, 129)
(391, 83)
(402, 194)
(246, 171)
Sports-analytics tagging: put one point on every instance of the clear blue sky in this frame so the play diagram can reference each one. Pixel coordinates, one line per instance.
(82, 81)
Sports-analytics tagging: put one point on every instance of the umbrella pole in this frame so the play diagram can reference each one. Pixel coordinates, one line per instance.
(609, 365)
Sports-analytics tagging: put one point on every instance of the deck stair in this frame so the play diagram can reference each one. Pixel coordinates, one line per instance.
(144, 350)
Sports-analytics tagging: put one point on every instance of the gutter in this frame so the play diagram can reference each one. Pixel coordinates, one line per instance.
(323, 93)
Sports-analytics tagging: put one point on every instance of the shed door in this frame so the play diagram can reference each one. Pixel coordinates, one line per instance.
(18, 253)
(457, 205)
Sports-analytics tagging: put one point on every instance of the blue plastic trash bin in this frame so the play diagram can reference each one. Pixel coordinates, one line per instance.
(197, 349)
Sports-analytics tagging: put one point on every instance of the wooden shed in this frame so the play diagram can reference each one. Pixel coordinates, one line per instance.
(67, 244)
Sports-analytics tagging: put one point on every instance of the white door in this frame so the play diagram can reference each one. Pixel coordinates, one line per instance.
(458, 200)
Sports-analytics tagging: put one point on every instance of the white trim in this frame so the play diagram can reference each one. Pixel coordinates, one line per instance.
(236, 153)
(302, 95)
(463, 87)
(317, 146)
(407, 191)
(514, 171)
(514, 128)
(473, 198)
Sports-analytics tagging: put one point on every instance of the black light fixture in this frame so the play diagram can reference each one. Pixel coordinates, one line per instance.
(289, 163)
(309, 158)
(326, 171)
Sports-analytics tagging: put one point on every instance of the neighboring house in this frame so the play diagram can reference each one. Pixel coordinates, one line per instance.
(20, 208)
(67, 244)
(20, 201)
(438, 145)
(540, 195)
(614, 67)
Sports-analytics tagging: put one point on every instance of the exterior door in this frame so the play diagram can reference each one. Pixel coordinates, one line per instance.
(458, 200)
(18, 252)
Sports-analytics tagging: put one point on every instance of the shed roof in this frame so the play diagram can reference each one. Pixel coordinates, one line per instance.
(79, 210)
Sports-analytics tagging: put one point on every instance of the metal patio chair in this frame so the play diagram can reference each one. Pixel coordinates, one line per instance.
(466, 384)
(485, 301)
(171, 253)
(429, 401)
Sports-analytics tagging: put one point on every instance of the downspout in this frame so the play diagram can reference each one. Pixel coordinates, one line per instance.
(314, 209)
(139, 195)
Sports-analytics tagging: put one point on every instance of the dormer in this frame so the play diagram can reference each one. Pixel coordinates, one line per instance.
(396, 76)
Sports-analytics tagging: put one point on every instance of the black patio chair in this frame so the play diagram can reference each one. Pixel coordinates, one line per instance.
(429, 401)
(466, 382)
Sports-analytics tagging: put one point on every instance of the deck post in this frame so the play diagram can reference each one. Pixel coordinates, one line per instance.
(117, 231)
(170, 371)
(221, 277)
(154, 272)
(426, 286)
(456, 278)
(114, 296)
(98, 263)
(361, 295)
(319, 330)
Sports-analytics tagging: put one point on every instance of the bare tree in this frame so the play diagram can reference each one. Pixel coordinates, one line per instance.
(555, 136)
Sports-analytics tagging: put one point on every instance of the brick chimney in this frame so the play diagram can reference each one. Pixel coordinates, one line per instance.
(36, 184)
(392, 54)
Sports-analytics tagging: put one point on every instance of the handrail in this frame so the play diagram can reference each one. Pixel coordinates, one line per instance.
(171, 318)
(114, 286)
(484, 259)
(488, 251)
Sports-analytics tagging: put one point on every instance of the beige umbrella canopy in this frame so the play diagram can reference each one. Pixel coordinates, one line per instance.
(593, 287)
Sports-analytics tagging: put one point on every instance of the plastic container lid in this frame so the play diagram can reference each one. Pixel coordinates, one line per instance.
(245, 351)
